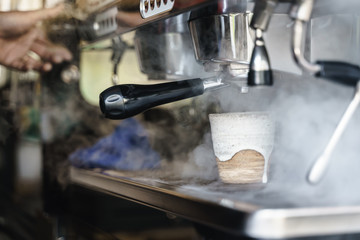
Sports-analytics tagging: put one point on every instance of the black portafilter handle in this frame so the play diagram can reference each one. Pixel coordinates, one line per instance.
(127, 100)
(340, 72)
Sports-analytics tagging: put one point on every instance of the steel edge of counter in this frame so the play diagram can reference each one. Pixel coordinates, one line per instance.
(228, 215)
(223, 216)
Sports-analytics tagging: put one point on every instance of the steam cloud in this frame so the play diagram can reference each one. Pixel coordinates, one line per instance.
(306, 111)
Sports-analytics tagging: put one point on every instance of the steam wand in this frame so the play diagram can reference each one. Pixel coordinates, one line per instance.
(340, 72)
(301, 13)
(319, 166)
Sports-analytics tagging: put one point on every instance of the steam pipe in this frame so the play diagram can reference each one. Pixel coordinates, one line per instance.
(301, 13)
(320, 165)
(302, 62)
(340, 72)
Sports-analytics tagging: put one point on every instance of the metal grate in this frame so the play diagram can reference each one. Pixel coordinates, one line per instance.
(149, 8)
(105, 22)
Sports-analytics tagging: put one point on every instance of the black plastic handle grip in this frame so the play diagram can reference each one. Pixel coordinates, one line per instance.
(339, 72)
(127, 100)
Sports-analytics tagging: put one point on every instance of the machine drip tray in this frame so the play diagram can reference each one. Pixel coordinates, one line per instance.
(236, 209)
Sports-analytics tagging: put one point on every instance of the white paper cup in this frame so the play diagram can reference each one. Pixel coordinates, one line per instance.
(242, 143)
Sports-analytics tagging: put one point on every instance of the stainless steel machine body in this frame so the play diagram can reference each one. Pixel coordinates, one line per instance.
(201, 39)
(165, 50)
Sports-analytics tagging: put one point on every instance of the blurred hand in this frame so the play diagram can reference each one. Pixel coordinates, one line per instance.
(23, 44)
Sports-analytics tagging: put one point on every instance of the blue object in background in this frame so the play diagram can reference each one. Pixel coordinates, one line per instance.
(128, 148)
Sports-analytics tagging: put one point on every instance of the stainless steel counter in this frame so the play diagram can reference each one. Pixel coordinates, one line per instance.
(225, 207)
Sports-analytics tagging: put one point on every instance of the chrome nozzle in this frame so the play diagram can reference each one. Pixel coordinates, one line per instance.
(260, 73)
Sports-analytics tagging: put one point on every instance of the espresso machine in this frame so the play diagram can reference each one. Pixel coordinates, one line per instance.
(227, 41)
(247, 55)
